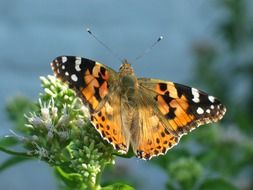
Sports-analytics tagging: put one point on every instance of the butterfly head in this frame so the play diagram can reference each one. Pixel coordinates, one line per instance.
(126, 68)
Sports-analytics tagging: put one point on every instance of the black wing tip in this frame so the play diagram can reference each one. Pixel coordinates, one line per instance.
(222, 111)
(57, 65)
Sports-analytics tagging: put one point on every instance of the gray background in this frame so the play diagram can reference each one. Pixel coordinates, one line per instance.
(32, 33)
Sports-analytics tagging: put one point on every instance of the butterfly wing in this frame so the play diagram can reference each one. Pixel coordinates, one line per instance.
(96, 85)
(183, 107)
(108, 123)
(149, 134)
(166, 111)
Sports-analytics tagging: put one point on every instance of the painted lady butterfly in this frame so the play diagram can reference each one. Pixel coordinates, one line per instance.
(149, 114)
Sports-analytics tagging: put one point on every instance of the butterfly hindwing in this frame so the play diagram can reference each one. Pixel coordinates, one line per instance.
(108, 123)
(185, 108)
(150, 136)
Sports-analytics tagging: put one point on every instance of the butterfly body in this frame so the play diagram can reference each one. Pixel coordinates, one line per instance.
(128, 83)
(150, 115)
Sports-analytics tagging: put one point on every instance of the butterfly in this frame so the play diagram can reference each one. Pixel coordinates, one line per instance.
(150, 115)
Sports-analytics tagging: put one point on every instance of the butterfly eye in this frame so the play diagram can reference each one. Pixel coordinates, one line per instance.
(121, 67)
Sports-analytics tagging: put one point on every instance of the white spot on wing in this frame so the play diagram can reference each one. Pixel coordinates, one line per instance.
(208, 111)
(195, 99)
(64, 59)
(78, 63)
(63, 67)
(212, 107)
(200, 110)
(211, 98)
(195, 94)
(74, 77)
(66, 73)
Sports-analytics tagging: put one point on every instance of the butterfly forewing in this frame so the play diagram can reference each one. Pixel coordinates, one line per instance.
(88, 78)
(185, 108)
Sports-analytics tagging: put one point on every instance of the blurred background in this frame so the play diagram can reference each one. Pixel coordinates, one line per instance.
(207, 44)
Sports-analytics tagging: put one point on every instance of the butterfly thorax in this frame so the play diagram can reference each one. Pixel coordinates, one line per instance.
(128, 83)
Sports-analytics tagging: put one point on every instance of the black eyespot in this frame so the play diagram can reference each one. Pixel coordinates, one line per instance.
(163, 86)
(102, 70)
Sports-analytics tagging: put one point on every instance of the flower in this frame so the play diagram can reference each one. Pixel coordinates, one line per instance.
(61, 134)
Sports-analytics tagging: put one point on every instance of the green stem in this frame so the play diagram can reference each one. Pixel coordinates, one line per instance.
(24, 154)
(97, 186)
(94, 186)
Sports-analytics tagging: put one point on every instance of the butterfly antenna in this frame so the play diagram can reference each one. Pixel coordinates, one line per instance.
(104, 45)
(149, 48)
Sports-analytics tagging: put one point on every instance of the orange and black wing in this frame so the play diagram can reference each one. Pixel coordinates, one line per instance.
(149, 134)
(96, 85)
(88, 78)
(166, 112)
(183, 107)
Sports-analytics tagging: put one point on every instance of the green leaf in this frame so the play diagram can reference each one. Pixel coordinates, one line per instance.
(185, 171)
(73, 180)
(118, 186)
(8, 141)
(11, 162)
(217, 184)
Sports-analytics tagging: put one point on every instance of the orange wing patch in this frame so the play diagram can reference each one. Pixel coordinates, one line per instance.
(96, 86)
(162, 88)
(108, 124)
(157, 143)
